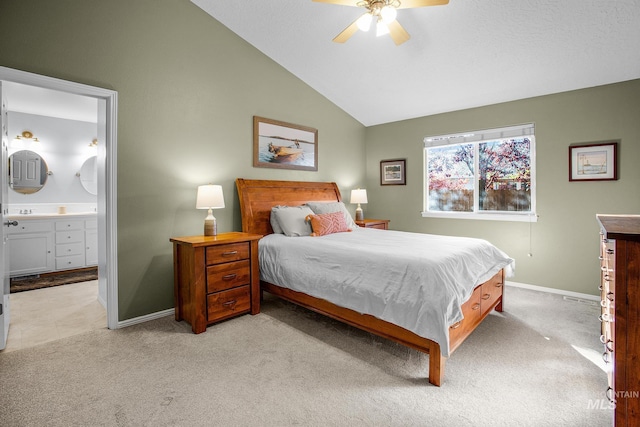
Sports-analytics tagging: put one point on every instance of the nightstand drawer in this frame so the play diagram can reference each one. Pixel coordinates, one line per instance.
(227, 253)
(222, 305)
(228, 275)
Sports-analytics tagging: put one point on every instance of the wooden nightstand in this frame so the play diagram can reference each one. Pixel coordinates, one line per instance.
(382, 224)
(215, 278)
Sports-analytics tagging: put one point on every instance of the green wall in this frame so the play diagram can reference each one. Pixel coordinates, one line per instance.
(564, 241)
(188, 89)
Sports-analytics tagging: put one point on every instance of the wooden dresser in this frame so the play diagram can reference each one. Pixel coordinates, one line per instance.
(620, 314)
(215, 278)
(382, 224)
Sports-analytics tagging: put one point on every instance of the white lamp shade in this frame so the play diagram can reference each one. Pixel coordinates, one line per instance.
(359, 196)
(210, 197)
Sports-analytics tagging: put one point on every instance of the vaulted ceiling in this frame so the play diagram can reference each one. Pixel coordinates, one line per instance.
(465, 54)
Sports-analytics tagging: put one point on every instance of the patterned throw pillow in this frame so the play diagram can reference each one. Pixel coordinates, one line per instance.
(328, 223)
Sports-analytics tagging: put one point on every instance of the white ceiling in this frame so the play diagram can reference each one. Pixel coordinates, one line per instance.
(466, 54)
(47, 102)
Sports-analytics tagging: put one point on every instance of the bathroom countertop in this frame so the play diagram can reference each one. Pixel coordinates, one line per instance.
(51, 215)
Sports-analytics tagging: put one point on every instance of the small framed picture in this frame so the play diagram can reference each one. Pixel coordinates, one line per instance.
(284, 145)
(393, 172)
(593, 162)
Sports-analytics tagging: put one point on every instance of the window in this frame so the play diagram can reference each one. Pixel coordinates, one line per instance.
(487, 174)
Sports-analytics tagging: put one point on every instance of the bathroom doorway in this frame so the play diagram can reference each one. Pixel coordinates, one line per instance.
(106, 110)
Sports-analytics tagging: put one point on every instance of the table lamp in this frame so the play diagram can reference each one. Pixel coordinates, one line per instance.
(210, 197)
(359, 196)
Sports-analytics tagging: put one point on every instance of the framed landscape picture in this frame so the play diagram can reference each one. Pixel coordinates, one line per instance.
(284, 145)
(393, 172)
(593, 162)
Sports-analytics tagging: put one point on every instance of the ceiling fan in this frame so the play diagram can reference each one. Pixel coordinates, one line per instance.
(384, 11)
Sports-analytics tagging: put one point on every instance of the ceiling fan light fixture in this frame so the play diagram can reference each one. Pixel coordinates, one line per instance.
(364, 22)
(388, 14)
(381, 28)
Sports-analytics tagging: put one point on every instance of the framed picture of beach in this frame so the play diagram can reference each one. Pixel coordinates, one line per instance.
(284, 145)
(593, 162)
(393, 172)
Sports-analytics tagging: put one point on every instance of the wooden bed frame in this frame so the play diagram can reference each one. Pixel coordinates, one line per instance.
(257, 197)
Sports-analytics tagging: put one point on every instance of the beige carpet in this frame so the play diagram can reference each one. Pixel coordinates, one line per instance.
(288, 366)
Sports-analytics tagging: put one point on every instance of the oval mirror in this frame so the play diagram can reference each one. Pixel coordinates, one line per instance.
(27, 172)
(89, 175)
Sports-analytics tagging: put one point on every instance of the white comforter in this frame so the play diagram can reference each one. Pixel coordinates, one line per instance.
(416, 281)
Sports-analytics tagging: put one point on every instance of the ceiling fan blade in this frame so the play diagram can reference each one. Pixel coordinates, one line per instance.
(340, 2)
(347, 33)
(408, 4)
(398, 33)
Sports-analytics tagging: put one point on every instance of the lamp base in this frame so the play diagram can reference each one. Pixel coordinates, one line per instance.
(359, 214)
(210, 227)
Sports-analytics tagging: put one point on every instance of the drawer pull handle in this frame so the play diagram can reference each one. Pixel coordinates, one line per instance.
(600, 287)
(602, 338)
(230, 304)
(498, 285)
(605, 357)
(476, 306)
(486, 296)
(229, 276)
(608, 393)
(610, 251)
(607, 346)
(456, 325)
(610, 296)
(230, 253)
(604, 317)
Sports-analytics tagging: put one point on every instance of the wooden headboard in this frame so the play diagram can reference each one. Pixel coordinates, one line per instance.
(257, 197)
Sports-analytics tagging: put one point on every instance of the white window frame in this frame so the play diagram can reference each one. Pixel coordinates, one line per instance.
(478, 137)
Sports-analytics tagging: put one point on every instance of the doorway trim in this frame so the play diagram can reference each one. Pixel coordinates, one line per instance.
(107, 181)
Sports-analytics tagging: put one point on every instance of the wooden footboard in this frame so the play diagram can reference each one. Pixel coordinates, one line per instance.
(485, 298)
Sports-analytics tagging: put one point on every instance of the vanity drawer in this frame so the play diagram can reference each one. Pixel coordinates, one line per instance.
(69, 225)
(70, 249)
(227, 253)
(69, 236)
(67, 262)
(228, 275)
(225, 304)
(27, 226)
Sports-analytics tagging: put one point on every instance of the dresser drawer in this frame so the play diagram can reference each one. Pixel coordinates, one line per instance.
(225, 304)
(228, 275)
(67, 262)
(491, 293)
(472, 314)
(69, 236)
(227, 253)
(70, 249)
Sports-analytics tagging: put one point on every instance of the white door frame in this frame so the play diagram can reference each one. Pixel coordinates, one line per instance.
(107, 179)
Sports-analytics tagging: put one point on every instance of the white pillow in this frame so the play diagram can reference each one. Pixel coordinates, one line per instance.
(274, 221)
(330, 207)
(292, 220)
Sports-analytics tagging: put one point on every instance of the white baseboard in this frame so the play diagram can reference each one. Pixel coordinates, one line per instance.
(102, 301)
(553, 291)
(171, 311)
(146, 318)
